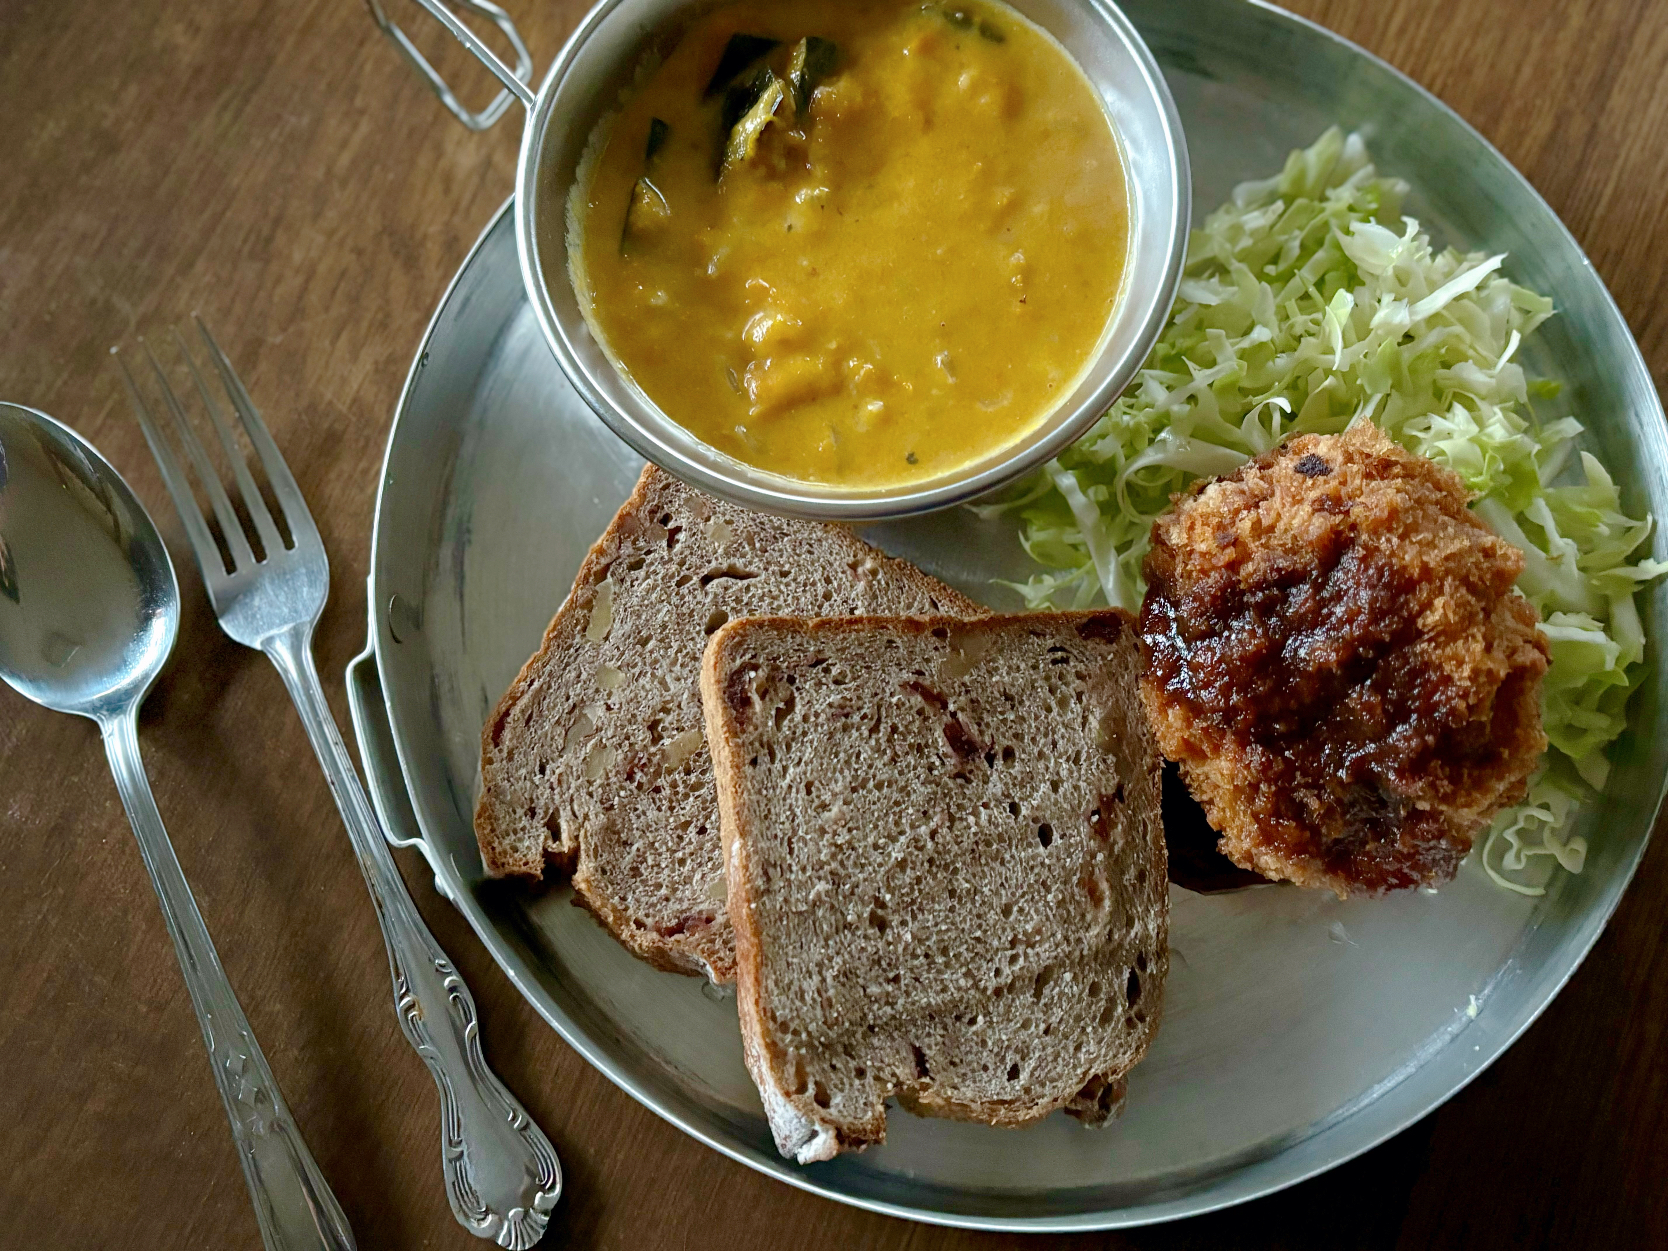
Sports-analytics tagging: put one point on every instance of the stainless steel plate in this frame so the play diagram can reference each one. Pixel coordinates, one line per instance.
(1298, 1030)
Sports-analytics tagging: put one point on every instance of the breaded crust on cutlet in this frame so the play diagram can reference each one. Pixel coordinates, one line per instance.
(1340, 663)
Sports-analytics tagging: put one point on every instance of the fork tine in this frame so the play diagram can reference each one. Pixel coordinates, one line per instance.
(240, 470)
(209, 560)
(291, 502)
(236, 541)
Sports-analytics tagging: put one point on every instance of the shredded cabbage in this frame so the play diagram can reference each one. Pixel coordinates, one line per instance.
(1309, 302)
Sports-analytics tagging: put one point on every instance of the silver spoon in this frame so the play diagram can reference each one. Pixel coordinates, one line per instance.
(88, 613)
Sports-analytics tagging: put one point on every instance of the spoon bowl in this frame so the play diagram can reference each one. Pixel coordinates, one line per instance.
(89, 604)
(89, 609)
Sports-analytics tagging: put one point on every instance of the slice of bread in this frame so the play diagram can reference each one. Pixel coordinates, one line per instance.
(594, 758)
(946, 867)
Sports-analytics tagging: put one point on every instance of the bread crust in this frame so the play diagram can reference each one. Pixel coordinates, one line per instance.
(804, 1130)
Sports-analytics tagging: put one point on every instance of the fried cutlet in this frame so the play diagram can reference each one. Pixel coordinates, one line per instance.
(1340, 664)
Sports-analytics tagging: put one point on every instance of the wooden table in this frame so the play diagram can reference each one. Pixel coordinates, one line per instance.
(275, 166)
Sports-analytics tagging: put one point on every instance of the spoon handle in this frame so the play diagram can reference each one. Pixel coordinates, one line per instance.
(501, 1172)
(293, 1202)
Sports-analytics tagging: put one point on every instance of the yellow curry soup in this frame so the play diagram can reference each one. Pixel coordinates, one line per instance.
(856, 242)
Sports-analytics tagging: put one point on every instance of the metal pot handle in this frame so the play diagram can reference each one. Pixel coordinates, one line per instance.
(515, 80)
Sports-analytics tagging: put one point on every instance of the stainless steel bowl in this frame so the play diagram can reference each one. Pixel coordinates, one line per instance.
(586, 83)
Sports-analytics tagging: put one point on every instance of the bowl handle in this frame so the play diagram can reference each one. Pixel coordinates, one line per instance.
(515, 80)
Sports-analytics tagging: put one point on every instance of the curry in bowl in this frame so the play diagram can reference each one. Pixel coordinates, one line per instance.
(862, 244)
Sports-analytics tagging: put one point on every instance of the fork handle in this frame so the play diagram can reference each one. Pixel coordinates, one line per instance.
(293, 1203)
(502, 1176)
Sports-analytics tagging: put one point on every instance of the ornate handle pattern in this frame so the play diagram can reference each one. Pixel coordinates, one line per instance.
(502, 1175)
(293, 1203)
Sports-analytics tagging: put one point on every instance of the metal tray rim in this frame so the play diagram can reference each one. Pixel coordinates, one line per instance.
(1236, 1184)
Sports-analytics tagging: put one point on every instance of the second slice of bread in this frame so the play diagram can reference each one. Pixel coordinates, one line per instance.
(946, 866)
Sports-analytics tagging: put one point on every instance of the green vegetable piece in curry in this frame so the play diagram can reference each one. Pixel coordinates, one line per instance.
(965, 19)
(739, 55)
(742, 140)
(647, 209)
(813, 60)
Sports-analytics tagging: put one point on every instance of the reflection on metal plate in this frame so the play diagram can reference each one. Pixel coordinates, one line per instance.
(1298, 1030)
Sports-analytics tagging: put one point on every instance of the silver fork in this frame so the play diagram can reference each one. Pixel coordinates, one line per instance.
(502, 1175)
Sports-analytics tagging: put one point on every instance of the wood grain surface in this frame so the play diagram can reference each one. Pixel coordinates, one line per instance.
(275, 166)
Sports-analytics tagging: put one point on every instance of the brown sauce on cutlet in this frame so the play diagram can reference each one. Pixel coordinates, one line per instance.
(1303, 661)
(1336, 657)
